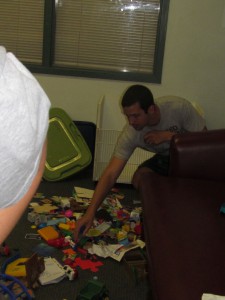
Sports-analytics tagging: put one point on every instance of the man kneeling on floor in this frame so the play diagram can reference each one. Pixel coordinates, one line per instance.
(151, 126)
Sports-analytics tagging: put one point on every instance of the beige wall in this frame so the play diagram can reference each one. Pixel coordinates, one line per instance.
(194, 68)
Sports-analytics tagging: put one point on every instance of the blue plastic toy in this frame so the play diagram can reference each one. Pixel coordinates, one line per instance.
(13, 289)
(222, 208)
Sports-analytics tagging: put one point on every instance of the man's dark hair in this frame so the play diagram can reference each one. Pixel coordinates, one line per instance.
(138, 94)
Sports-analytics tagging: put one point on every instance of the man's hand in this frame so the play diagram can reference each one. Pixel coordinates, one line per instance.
(106, 182)
(83, 225)
(157, 137)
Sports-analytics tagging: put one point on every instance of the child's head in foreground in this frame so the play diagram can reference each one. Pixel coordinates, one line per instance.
(24, 109)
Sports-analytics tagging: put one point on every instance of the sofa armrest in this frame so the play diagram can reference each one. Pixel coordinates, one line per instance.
(184, 235)
(198, 155)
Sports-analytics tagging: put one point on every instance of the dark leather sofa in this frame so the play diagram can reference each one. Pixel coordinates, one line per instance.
(183, 226)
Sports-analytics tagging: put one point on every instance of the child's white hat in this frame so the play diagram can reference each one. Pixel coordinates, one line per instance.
(24, 112)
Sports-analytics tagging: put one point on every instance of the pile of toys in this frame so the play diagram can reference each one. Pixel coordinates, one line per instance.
(55, 220)
(116, 230)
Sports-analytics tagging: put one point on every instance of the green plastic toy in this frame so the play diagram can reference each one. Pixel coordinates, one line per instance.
(67, 151)
(94, 290)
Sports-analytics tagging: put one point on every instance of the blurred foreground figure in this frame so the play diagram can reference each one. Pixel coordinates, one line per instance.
(24, 112)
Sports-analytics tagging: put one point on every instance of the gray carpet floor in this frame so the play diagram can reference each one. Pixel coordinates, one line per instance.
(120, 282)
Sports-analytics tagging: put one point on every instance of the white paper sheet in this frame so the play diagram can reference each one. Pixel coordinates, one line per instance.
(83, 193)
(212, 297)
(53, 272)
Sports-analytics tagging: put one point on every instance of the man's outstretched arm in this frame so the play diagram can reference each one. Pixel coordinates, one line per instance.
(106, 182)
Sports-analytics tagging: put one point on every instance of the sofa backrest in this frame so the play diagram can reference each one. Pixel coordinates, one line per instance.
(198, 155)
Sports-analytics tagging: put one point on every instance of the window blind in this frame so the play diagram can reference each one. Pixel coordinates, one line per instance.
(21, 28)
(116, 35)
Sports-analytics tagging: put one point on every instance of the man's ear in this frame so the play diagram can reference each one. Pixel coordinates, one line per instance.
(151, 109)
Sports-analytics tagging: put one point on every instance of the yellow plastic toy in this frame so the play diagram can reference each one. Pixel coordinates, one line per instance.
(17, 268)
(48, 233)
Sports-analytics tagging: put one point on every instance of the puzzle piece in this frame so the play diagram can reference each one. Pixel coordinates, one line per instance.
(88, 264)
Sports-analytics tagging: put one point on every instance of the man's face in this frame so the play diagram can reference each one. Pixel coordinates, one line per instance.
(136, 116)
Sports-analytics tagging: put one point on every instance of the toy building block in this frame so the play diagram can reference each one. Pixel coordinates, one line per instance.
(64, 226)
(48, 233)
(72, 224)
(58, 243)
(54, 222)
(94, 289)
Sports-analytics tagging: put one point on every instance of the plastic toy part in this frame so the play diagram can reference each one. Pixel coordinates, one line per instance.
(17, 268)
(70, 273)
(67, 151)
(94, 290)
(48, 233)
(27, 268)
(11, 288)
